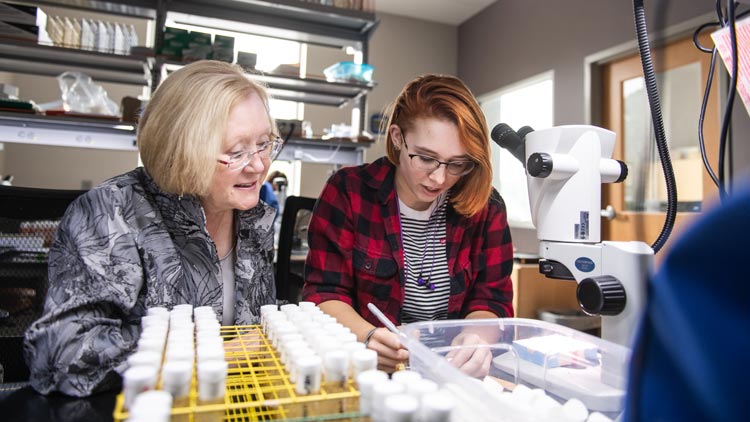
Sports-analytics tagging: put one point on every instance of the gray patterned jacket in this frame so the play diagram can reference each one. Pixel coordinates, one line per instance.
(121, 248)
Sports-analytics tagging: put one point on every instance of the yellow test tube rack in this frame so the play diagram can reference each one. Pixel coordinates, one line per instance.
(259, 389)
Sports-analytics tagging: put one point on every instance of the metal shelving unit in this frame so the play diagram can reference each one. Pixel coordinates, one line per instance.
(66, 131)
(286, 19)
(22, 57)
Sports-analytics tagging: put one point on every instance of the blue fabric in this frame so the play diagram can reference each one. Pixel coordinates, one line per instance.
(690, 359)
(268, 196)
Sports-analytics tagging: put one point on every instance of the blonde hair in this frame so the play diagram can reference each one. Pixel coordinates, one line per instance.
(180, 133)
(448, 98)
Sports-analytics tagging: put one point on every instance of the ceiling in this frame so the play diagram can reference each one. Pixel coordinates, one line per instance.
(452, 12)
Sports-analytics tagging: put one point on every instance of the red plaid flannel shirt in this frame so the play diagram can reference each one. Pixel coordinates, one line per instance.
(356, 255)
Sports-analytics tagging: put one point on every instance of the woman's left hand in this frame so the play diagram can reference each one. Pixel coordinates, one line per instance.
(473, 361)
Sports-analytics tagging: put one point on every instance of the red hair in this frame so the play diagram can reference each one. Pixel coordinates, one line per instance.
(447, 98)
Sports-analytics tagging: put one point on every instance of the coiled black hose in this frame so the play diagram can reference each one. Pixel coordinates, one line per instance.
(656, 117)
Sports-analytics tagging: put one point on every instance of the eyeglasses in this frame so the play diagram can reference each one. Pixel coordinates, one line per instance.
(429, 164)
(267, 151)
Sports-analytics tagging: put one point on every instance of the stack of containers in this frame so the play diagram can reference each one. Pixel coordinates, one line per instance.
(171, 344)
(317, 353)
(90, 34)
(405, 397)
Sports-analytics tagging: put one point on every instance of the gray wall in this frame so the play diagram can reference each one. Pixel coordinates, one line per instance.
(512, 40)
(400, 49)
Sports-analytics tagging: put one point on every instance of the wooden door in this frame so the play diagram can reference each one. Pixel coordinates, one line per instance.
(640, 202)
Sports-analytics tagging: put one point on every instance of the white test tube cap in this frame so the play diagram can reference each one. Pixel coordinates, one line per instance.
(336, 365)
(294, 355)
(400, 408)
(151, 344)
(136, 380)
(363, 360)
(158, 311)
(181, 352)
(212, 376)
(307, 305)
(204, 311)
(437, 406)
(154, 405)
(406, 377)
(287, 346)
(366, 382)
(210, 352)
(175, 378)
(380, 392)
(155, 320)
(183, 307)
(289, 309)
(145, 358)
(308, 374)
(422, 387)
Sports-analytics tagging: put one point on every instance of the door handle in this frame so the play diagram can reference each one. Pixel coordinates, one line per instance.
(609, 212)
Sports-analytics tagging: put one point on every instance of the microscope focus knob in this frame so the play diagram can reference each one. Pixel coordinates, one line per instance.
(539, 165)
(602, 295)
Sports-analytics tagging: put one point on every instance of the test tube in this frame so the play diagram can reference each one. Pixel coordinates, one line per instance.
(152, 405)
(380, 392)
(336, 370)
(212, 377)
(363, 360)
(436, 407)
(145, 358)
(400, 408)
(366, 382)
(136, 380)
(406, 377)
(308, 374)
(175, 379)
(309, 370)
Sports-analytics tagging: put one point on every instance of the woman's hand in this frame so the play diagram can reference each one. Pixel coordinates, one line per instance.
(473, 361)
(390, 351)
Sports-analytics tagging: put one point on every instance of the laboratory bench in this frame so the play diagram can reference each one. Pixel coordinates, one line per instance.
(23, 404)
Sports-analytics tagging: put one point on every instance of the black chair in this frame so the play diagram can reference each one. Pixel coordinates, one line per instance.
(292, 238)
(28, 221)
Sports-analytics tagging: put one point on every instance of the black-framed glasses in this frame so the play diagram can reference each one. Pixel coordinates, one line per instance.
(429, 164)
(268, 150)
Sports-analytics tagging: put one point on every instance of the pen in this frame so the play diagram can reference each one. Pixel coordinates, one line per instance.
(387, 323)
(392, 328)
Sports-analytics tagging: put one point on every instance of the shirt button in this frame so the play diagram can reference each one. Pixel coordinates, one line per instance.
(368, 265)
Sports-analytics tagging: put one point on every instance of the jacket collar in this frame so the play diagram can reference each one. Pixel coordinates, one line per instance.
(380, 175)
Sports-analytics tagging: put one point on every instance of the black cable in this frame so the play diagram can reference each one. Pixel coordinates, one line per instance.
(709, 84)
(656, 117)
(730, 100)
(704, 104)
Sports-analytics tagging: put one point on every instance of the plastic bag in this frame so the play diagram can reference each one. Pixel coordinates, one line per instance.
(80, 94)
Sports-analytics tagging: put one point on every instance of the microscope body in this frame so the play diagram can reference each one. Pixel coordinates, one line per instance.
(565, 168)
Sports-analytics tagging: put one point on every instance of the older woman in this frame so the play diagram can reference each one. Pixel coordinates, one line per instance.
(187, 227)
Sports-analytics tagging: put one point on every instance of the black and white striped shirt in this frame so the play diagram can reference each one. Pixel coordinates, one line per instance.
(423, 235)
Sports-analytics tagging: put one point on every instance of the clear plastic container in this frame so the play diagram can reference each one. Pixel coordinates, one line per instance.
(565, 364)
(349, 72)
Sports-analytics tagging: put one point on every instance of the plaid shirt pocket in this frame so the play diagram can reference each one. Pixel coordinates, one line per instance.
(377, 279)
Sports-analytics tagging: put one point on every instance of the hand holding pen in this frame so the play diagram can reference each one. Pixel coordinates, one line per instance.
(388, 342)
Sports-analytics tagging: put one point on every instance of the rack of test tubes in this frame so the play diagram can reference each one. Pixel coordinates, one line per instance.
(299, 364)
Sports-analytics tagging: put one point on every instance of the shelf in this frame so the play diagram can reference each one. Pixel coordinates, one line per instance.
(338, 152)
(294, 20)
(304, 90)
(62, 131)
(23, 57)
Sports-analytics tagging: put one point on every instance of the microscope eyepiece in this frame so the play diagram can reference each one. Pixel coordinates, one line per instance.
(511, 140)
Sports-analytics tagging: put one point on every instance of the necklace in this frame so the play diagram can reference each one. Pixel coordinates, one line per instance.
(428, 242)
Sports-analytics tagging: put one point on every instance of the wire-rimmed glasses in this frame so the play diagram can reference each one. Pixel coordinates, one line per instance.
(429, 164)
(267, 151)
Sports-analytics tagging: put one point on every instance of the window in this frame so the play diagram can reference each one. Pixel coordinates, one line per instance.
(527, 103)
